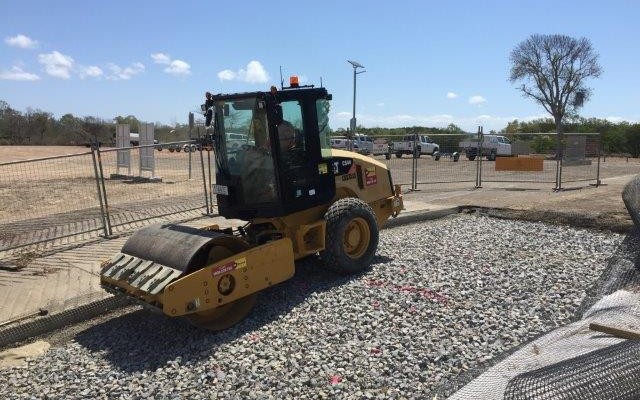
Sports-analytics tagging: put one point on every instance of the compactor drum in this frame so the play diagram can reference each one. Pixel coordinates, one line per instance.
(299, 196)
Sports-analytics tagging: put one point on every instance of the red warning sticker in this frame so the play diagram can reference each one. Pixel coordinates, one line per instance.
(370, 177)
(223, 269)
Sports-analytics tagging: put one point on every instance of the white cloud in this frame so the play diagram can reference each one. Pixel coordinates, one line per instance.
(161, 58)
(174, 67)
(118, 73)
(467, 123)
(17, 74)
(178, 67)
(21, 41)
(451, 95)
(91, 71)
(616, 120)
(394, 121)
(477, 99)
(227, 75)
(380, 104)
(253, 73)
(56, 64)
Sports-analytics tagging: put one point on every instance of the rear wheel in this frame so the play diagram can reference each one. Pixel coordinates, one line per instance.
(351, 238)
(399, 155)
(492, 156)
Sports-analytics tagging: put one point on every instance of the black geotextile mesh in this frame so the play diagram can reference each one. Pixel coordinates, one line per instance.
(609, 373)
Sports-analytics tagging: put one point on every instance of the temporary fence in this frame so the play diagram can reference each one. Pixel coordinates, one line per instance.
(105, 191)
(47, 198)
(175, 185)
(528, 160)
(58, 200)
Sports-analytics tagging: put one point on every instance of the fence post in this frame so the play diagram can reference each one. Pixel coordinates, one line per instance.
(204, 176)
(94, 146)
(414, 163)
(598, 169)
(104, 192)
(559, 156)
(190, 152)
(210, 181)
(479, 159)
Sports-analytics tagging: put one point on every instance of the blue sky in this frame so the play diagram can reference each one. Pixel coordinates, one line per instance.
(156, 59)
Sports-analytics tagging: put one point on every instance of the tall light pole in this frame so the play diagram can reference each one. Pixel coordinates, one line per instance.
(352, 124)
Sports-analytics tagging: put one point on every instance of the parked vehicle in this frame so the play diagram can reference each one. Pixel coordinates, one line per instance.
(338, 142)
(235, 140)
(189, 147)
(362, 144)
(380, 146)
(423, 145)
(492, 146)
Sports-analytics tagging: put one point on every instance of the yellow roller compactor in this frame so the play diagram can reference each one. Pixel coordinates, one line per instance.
(276, 170)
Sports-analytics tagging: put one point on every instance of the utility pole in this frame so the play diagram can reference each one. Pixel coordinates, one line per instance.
(352, 124)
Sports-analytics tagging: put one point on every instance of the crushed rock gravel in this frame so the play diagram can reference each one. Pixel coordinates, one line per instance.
(442, 298)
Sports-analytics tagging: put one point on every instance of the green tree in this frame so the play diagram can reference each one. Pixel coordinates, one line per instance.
(553, 69)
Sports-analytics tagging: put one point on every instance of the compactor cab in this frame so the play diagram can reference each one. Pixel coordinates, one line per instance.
(276, 170)
(284, 165)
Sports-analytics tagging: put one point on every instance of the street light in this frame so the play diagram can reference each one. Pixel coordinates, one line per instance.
(355, 65)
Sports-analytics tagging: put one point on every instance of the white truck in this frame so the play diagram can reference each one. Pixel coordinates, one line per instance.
(361, 144)
(492, 146)
(423, 145)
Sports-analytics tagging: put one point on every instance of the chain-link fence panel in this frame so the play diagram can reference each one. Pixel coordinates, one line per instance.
(46, 199)
(581, 158)
(398, 163)
(175, 186)
(520, 158)
(442, 162)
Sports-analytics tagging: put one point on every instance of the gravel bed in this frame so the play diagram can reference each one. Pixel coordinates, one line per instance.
(442, 299)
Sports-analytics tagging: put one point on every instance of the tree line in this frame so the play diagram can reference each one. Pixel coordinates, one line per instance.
(617, 137)
(37, 127)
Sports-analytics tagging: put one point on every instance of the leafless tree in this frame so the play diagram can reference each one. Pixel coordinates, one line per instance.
(553, 69)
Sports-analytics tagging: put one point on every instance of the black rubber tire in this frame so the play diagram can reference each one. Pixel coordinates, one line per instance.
(338, 216)
(387, 156)
(399, 155)
(471, 158)
(491, 156)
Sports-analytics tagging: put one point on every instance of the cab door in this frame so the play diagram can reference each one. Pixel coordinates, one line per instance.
(305, 177)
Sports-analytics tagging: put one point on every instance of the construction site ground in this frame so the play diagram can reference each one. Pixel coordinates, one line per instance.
(68, 278)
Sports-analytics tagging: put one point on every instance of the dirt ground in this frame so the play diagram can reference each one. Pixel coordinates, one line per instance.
(20, 153)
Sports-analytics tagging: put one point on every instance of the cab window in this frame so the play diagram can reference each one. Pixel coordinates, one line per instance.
(322, 111)
(291, 136)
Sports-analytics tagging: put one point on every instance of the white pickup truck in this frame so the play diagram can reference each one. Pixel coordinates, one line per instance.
(423, 145)
(492, 147)
(361, 144)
